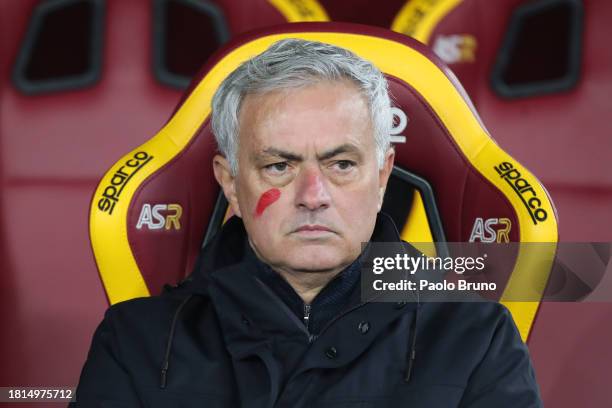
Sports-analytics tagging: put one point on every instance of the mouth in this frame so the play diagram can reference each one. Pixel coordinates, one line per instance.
(313, 230)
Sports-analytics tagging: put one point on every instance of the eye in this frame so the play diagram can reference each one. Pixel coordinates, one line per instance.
(344, 165)
(276, 168)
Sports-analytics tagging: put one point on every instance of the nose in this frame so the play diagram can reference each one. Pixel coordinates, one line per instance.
(311, 192)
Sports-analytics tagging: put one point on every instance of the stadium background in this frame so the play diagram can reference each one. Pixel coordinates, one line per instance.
(82, 82)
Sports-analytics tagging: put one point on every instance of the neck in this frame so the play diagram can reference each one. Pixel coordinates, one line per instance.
(307, 284)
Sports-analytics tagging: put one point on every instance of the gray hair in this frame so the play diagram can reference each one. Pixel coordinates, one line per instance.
(293, 63)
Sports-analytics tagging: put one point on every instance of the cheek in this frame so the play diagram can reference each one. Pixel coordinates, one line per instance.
(267, 198)
(355, 205)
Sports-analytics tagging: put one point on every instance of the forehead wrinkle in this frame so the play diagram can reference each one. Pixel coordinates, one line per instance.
(276, 101)
(261, 106)
(269, 112)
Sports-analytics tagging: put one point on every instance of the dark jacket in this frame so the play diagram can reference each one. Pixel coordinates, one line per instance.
(224, 338)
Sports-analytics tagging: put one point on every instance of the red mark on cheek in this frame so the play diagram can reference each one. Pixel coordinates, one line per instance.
(266, 199)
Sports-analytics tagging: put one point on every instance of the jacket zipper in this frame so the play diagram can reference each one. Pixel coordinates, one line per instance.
(311, 337)
(307, 316)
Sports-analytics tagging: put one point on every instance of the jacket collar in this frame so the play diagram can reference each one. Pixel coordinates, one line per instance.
(227, 273)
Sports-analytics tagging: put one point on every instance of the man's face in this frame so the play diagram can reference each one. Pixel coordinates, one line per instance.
(308, 186)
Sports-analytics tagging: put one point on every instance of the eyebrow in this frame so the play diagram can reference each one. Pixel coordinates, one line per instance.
(343, 148)
(272, 151)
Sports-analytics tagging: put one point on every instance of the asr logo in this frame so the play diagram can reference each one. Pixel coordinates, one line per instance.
(160, 216)
(456, 48)
(400, 121)
(491, 230)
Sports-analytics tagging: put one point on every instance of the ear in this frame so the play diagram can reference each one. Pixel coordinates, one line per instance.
(227, 181)
(383, 175)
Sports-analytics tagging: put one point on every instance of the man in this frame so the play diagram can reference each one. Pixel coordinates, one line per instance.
(274, 317)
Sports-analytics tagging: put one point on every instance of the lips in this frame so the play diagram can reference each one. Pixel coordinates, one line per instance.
(313, 228)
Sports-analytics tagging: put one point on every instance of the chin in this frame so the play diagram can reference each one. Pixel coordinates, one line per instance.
(315, 259)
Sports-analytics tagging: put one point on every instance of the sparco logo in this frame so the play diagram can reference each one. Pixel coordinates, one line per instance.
(112, 192)
(160, 216)
(491, 230)
(524, 190)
